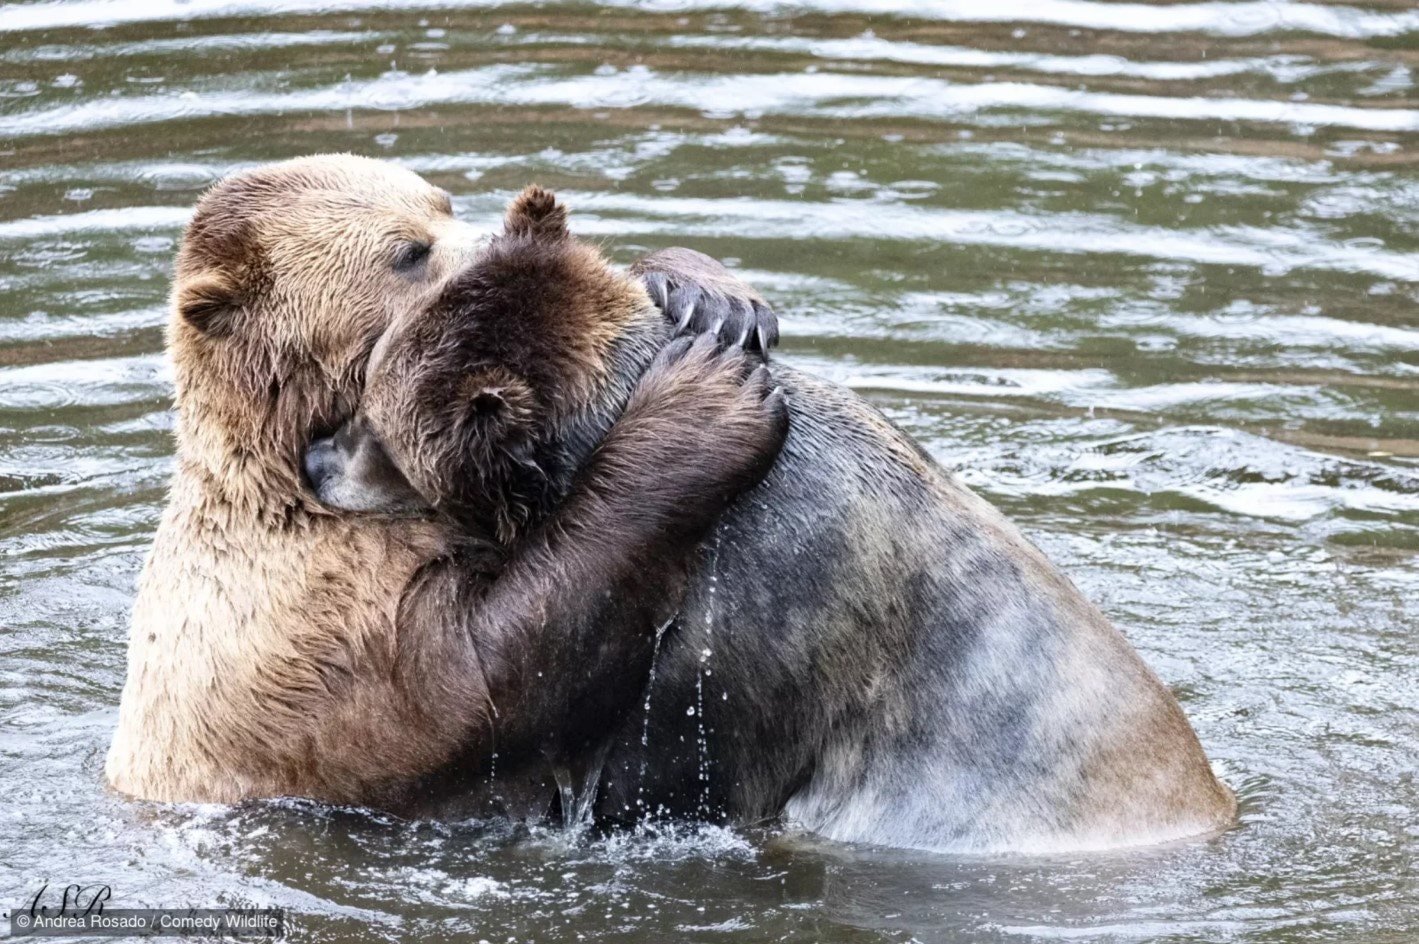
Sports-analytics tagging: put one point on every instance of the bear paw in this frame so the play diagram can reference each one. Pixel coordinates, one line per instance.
(698, 295)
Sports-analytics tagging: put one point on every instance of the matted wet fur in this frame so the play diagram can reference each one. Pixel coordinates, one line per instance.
(277, 648)
(864, 646)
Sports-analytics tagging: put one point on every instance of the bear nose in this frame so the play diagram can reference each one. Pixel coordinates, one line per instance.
(320, 462)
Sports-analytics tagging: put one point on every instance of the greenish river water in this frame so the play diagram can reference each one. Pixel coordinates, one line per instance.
(1145, 274)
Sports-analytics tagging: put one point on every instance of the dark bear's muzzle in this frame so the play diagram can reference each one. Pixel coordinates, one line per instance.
(352, 471)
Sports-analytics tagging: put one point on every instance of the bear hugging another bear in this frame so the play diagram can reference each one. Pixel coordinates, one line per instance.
(279, 648)
(529, 477)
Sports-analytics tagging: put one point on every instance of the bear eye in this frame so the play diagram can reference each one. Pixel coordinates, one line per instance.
(411, 256)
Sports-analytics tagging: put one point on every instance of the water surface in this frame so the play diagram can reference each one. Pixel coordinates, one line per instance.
(1145, 274)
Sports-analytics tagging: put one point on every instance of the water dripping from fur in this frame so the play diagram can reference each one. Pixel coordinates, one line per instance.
(645, 722)
(590, 781)
(702, 736)
(563, 775)
(578, 798)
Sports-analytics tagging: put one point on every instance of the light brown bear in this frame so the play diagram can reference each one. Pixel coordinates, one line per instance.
(279, 649)
(865, 646)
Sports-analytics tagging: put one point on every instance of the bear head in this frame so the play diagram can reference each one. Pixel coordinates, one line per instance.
(286, 276)
(483, 403)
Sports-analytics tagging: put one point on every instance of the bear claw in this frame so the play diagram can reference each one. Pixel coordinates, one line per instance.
(700, 296)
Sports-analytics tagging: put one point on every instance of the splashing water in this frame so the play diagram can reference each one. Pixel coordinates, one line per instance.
(563, 775)
(589, 783)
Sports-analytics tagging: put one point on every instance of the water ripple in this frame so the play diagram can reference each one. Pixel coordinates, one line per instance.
(1275, 250)
(830, 95)
(1145, 275)
(1222, 19)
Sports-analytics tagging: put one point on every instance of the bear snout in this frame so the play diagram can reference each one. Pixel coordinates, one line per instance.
(320, 465)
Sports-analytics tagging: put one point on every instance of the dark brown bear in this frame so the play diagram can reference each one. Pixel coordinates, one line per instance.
(865, 647)
(586, 465)
(496, 394)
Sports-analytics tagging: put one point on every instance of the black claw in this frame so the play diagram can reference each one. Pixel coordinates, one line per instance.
(655, 285)
(723, 331)
(687, 305)
(777, 404)
(680, 306)
(765, 317)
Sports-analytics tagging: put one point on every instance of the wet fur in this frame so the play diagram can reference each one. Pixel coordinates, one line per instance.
(889, 660)
(279, 649)
(262, 641)
(901, 667)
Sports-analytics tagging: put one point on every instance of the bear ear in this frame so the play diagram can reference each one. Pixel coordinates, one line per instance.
(495, 399)
(537, 213)
(209, 303)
